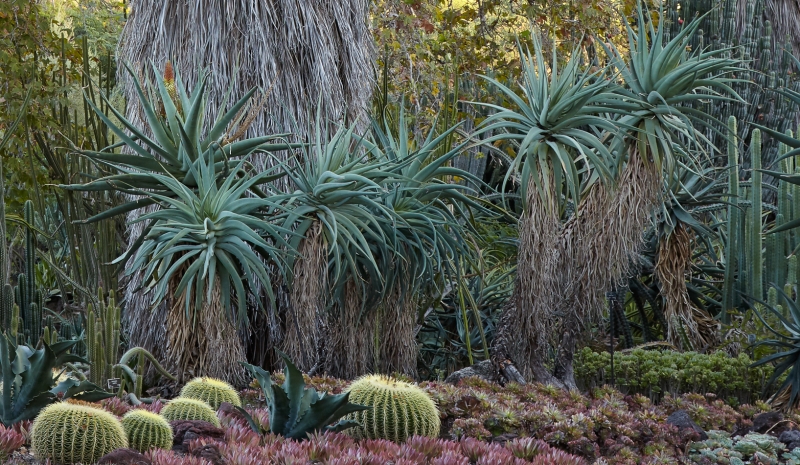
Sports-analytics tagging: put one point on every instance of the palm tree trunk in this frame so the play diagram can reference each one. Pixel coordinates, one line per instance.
(204, 343)
(395, 342)
(528, 318)
(308, 301)
(687, 326)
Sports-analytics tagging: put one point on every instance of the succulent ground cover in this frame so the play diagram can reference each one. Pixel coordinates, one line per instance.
(482, 423)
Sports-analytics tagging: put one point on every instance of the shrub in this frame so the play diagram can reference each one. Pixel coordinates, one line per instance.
(211, 391)
(654, 373)
(189, 409)
(69, 433)
(399, 409)
(147, 430)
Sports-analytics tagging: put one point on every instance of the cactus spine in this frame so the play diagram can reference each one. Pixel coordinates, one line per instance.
(70, 433)
(211, 391)
(147, 430)
(189, 409)
(399, 410)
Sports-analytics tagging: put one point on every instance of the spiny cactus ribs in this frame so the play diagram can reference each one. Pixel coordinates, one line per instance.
(399, 410)
(211, 391)
(189, 409)
(147, 430)
(69, 433)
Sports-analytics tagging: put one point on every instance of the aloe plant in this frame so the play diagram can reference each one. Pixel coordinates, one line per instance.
(295, 411)
(177, 142)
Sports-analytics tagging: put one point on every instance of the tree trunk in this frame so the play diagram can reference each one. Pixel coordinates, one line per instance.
(308, 300)
(204, 344)
(305, 51)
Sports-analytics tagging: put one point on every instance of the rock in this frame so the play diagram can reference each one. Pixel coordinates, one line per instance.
(684, 423)
(228, 409)
(185, 431)
(790, 436)
(484, 370)
(209, 452)
(504, 438)
(764, 422)
(124, 457)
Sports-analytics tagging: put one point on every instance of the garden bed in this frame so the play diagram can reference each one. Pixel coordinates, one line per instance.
(485, 423)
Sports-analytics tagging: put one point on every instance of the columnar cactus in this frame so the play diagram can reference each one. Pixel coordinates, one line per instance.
(211, 391)
(102, 342)
(754, 223)
(399, 410)
(189, 409)
(147, 430)
(68, 433)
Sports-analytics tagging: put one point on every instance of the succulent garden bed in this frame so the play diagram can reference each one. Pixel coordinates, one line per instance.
(481, 423)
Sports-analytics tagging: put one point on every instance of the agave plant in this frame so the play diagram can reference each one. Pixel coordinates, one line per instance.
(204, 246)
(295, 411)
(373, 221)
(787, 347)
(428, 229)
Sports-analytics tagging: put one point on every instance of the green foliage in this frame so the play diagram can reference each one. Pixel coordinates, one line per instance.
(176, 123)
(786, 344)
(146, 430)
(654, 373)
(29, 382)
(295, 411)
(67, 433)
(211, 391)
(661, 78)
(549, 126)
(398, 410)
(189, 409)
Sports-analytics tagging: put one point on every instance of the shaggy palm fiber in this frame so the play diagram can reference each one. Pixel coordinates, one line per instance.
(607, 231)
(301, 334)
(395, 341)
(312, 50)
(537, 287)
(206, 344)
(687, 326)
(596, 250)
(350, 340)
